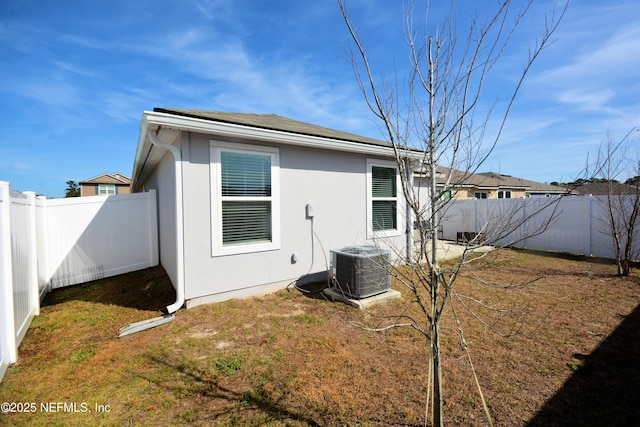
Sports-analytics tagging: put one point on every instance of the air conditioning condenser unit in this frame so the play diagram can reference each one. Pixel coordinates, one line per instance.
(361, 271)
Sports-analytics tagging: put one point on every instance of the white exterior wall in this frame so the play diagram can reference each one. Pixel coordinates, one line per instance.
(334, 182)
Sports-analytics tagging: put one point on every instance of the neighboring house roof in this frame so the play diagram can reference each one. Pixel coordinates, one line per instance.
(604, 188)
(493, 181)
(500, 181)
(107, 178)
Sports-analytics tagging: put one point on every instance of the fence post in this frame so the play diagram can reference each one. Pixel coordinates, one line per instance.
(34, 292)
(523, 226)
(475, 215)
(43, 246)
(590, 201)
(7, 324)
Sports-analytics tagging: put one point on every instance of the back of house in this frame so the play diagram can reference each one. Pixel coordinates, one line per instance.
(249, 203)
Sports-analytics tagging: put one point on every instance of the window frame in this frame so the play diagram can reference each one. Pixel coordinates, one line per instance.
(371, 233)
(218, 248)
(106, 191)
(504, 194)
(478, 195)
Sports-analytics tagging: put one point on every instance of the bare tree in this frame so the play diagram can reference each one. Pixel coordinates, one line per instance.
(436, 124)
(621, 203)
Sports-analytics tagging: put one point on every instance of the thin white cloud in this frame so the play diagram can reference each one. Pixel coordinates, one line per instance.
(587, 81)
(87, 42)
(214, 9)
(123, 106)
(54, 92)
(233, 78)
(210, 66)
(75, 69)
(20, 166)
(524, 126)
(608, 59)
(593, 100)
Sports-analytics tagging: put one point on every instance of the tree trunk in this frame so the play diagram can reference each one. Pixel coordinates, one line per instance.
(438, 420)
(624, 267)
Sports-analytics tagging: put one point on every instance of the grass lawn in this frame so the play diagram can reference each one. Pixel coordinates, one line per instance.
(568, 353)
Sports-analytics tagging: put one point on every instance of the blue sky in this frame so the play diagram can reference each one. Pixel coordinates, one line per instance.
(75, 77)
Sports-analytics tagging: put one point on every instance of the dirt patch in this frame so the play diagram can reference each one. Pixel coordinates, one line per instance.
(296, 310)
(204, 334)
(561, 351)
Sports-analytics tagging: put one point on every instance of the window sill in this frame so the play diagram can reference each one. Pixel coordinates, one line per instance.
(244, 249)
(383, 234)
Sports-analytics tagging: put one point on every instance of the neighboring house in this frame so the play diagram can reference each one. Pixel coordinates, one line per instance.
(105, 185)
(604, 188)
(249, 203)
(491, 185)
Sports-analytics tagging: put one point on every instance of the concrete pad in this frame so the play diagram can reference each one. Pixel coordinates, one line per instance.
(449, 250)
(336, 295)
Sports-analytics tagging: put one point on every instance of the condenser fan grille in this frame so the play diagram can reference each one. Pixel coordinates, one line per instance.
(361, 271)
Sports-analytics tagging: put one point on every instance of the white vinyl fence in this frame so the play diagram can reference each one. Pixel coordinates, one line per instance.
(576, 224)
(52, 243)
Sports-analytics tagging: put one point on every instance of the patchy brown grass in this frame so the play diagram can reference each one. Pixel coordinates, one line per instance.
(572, 357)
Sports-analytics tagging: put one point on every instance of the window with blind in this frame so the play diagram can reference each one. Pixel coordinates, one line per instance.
(383, 198)
(245, 198)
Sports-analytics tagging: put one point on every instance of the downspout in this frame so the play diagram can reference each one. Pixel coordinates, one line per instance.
(177, 156)
(171, 309)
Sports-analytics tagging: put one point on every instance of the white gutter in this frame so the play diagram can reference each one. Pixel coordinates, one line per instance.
(179, 286)
(193, 124)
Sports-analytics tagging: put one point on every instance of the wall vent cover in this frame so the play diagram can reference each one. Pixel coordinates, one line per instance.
(361, 271)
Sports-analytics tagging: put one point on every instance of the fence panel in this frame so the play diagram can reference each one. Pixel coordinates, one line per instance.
(601, 232)
(52, 243)
(8, 352)
(24, 262)
(571, 224)
(566, 225)
(94, 237)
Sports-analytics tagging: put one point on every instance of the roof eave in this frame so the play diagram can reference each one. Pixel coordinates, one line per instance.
(142, 149)
(153, 120)
(207, 126)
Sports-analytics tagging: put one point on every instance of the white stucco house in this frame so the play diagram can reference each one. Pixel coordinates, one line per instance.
(249, 203)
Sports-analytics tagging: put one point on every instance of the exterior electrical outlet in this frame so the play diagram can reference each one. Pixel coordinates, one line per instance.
(311, 210)
(361, 271)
